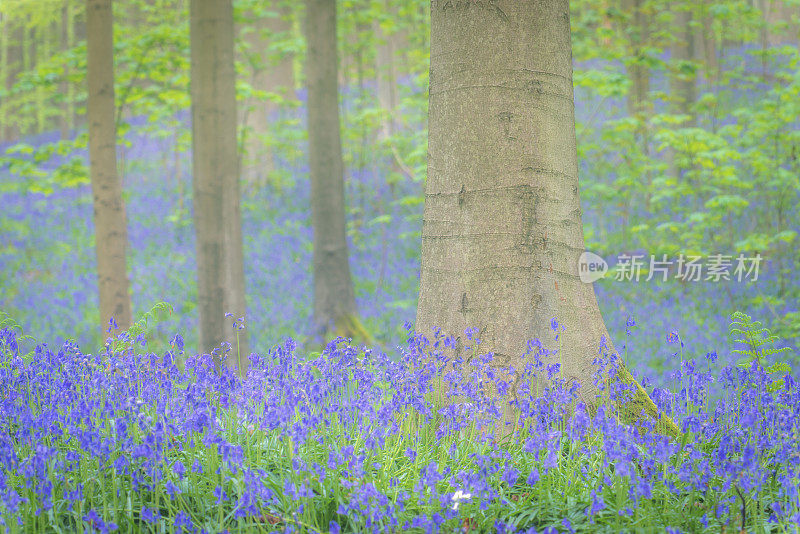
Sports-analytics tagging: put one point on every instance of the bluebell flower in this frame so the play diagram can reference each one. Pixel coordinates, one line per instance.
(150, 515)
(177, 341)
(220, 495)
(510, 476)
(183, 523)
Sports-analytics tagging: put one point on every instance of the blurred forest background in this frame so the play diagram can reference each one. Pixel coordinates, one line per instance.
(688, 141)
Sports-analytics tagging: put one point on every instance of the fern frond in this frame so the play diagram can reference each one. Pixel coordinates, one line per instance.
(156, 314)
(759, 344)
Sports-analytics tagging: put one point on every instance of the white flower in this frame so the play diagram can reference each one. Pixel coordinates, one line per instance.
(459, 496)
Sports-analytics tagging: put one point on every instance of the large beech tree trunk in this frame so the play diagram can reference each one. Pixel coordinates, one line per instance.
(502, 230)
(111, 233)
(217, 218)
(334, 301)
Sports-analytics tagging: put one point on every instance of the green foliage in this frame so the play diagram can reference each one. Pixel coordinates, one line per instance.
(143, 327)
(714, 171)
(6, 321)
(758, 344)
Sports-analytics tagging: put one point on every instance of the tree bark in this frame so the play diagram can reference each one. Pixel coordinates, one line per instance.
(280, 66)
(67, 123)
(5, 77)
(217, 218)
(708, 40)
(15, 34)
(334, 301)
(41, 53)
(502, 229)
(26, 126)
(272, 73)
(639, 105)
(386, 75)
(111, 234)
(638, 73)
(682, 84)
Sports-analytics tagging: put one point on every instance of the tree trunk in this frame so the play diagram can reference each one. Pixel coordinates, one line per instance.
(66, 87)
(502, 230)
(708, 40)
(41, 53)
(5, 77)
(111, 234)
(280, 66)
(79, 36)
(15, 33)
(26, 126)
(639, 105)
(386, 77)
(637, 72)
(217, 218)
(334, 301)
(682, 84)
(273, 73)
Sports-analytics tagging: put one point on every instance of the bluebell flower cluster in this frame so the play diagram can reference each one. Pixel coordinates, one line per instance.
(351, 440)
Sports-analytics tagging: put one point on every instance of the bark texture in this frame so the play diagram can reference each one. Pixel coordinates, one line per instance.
(111, 234)
(502, 230)
(217, 218)
(334, 301)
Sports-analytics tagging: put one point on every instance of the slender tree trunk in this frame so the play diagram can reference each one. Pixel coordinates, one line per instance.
(402, 36)
(280, 66)
(638, 73)
(111, 234)
(67, 42)
(15, 34)
(5, 77)
(709, 40)
(502, 230)
(78, 37)
(272, 73)
(334, 301)
(41, 52)
(386, 77)
(639, 105)
(26, 126)
(220, 258)
(682, 83)
(766, 8)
